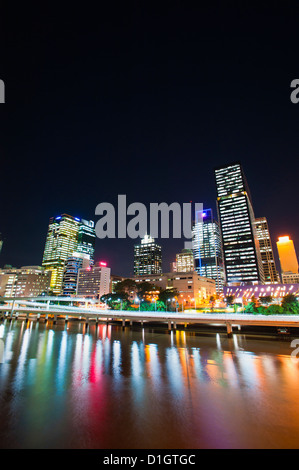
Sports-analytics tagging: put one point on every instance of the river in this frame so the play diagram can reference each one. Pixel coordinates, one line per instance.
(104, 387)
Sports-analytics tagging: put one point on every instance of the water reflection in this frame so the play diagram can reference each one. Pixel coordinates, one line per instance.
(107, 387)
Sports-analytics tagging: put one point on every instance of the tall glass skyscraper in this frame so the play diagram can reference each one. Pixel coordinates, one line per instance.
(147, 257)
(268, 261)
(207, 249)
(242, 259)
(62, 241)
(86, 238)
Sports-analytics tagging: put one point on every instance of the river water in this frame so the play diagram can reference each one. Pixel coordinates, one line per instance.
(105, 387)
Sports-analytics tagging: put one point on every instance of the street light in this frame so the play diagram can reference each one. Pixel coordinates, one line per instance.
(169, 300)
(138, 300)
(154, 300)
(121, 303)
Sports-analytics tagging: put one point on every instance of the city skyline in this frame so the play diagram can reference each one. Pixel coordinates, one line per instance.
(86, 233)
(149, 236)
(139, 120)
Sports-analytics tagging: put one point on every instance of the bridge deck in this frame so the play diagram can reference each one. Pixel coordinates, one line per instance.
(16, 306)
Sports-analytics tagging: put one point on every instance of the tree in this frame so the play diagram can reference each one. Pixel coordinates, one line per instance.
(267, 299)
(230, 300)
(147, 306)
(160, 306)
(126, 286)
(261, 309)
(144, 288)
(290, 304)
(250, 308)
(116, 301)
(166, 294)
(212, 302)
(274, 310)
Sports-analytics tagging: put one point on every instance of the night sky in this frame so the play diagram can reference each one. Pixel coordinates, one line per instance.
(144, 99)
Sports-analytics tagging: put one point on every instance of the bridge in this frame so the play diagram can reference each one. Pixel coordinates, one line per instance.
(42, 308)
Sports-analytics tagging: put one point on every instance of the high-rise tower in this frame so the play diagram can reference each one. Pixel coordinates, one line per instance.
(242, 259)
(207, 249)
(147, 257)
(65, 236)
(86, 238)
(262, 230)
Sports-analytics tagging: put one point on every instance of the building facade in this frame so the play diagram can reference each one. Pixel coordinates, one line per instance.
(242, 259)
(71, 269)
(192, 288)
(263, 235)
(276, 291)
(27, 281)
(207, 248)
(287, 255)
(185, 261)
(147, 257)
(93, 282)
(66, 235)
(290, 278)
(173, 267)
(86, 238)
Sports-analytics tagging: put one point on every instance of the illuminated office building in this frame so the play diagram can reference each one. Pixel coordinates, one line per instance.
(192, 288)
(262, 230)
(93, 281)
(27, 281)
(86, 238)
(207, 249)
(185, 261)
(288, 260)
(242, 258)
(71, 269)
(147, 257)
(66, 235)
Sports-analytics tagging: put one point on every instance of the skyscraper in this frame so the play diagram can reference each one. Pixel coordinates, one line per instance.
(242, 258)
(263, 235)
(185, 261)
(147, 257)
(207, 249)
(62, 241)
(71, 269)
(288, 260)
(86, 238)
